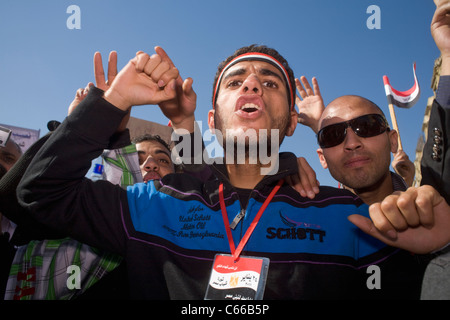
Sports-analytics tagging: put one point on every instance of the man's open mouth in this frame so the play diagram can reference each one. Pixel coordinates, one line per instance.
(250, 107)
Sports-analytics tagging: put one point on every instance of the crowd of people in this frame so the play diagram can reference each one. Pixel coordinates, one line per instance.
(162, 230)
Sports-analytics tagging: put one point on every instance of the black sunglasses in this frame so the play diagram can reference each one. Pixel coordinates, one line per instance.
(366, 126)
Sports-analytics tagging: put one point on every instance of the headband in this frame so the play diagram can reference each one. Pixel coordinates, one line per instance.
(261, 57)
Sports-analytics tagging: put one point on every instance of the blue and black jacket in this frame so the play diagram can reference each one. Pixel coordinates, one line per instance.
(169, 231)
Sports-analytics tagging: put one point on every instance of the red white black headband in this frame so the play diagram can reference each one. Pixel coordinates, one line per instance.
(251, 56)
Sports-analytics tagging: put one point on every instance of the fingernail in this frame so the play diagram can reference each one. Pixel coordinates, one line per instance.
(161, 83)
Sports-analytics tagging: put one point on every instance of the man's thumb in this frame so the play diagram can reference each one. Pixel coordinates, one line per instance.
(170, 90)
(367, 226)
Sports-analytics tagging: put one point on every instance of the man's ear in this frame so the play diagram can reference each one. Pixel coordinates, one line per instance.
(322, 160)
(393, 139)
(292, 123)
(211, 123)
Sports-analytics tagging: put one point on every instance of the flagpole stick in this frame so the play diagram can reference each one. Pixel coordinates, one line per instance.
(394, 124)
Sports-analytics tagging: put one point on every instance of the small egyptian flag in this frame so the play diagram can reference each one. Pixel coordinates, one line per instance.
(402, 99)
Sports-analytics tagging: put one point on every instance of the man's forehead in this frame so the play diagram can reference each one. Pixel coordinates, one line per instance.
(346, 109)
(248, 66)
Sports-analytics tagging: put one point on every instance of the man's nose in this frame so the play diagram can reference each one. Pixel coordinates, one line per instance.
(352, 140)
(252, 85)
(150, 164)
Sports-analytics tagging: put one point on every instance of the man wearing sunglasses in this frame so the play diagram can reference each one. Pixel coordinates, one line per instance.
(356, 144)
(355, 141)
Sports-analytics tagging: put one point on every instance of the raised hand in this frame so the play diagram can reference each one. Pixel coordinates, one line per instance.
(180, 110)
(310, 105)
(144, 80)
(417, 220)
(79, 96)
(100, 81)
(99, 75)
(440, 30)
(404, 167)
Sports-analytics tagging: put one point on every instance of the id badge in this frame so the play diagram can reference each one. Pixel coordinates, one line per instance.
(244, 279)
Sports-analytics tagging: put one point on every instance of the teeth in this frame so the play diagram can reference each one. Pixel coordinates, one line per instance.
(250, 106)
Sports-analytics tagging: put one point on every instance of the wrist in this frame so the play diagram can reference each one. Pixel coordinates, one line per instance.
(445, 65)
(184, 124)
(315, 127)
(116, 100)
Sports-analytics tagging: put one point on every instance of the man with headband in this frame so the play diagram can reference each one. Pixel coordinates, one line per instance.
(244, 234)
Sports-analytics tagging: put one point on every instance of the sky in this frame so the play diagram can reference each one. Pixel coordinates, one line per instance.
(43, 61)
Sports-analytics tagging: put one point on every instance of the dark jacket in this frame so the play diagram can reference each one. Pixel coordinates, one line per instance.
(435, 165)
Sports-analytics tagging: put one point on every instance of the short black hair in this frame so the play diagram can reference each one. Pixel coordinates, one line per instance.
(151, 137)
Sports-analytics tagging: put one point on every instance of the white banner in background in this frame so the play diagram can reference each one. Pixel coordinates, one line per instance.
(24, 137)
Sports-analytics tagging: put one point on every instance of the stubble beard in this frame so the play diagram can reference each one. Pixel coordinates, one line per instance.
(248, 144)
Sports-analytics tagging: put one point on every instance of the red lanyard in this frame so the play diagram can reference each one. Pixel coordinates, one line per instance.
(237, 252)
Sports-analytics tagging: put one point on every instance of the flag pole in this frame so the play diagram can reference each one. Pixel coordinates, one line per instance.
(394, 125)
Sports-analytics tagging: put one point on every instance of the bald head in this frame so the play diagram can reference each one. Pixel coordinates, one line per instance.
(347, 107)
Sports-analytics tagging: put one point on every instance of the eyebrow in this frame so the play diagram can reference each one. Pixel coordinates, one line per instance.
(267, 72)
(156, 152)
(236, 72)
(263, 71)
